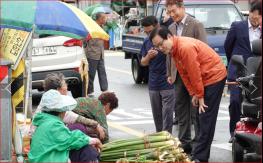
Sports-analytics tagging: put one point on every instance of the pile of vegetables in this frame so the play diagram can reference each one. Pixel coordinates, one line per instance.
(157, 147)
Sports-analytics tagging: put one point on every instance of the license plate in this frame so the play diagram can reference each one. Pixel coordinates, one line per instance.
(47, 50)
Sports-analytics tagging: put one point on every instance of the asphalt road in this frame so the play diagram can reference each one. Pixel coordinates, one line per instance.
(133, 118)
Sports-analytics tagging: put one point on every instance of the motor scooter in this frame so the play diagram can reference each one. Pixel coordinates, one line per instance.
(247, 141)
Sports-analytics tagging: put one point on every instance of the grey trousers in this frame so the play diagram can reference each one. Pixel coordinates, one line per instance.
(97, 65)
(162, 103)
(184, 112)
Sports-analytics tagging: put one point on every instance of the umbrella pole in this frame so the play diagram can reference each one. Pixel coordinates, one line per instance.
(28, 77)
(122, 8)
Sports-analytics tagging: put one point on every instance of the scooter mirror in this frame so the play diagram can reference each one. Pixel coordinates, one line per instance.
(238, 61)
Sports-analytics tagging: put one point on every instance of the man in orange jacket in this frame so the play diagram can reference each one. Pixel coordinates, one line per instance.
(203, 74)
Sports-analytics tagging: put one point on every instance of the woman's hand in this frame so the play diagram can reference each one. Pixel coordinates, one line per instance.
(96, 143)
(100, 131)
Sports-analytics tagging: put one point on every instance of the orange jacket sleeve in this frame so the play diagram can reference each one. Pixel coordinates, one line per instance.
(189, 59)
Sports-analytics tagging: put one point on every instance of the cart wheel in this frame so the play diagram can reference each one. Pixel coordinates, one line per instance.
(237, 151)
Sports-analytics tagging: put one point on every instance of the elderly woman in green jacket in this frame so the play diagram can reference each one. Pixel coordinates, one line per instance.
(52, 140)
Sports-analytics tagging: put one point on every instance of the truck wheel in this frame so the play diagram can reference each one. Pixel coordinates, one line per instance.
(137, 71)
(237, 151)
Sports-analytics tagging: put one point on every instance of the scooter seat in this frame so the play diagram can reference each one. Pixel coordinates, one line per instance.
(250, 110)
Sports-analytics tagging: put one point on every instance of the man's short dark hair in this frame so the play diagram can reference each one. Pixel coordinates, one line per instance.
(178, 3)
(256, 6)
(162, 31)
(109, 97)
(53, 81)
(148, 21)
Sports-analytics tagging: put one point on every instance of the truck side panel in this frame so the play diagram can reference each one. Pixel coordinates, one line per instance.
(132, 44)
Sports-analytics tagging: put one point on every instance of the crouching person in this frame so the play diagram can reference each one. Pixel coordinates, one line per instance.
(90, 112)
(52, 140)
(97, 109)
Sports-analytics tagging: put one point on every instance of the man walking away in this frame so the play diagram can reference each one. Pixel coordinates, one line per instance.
(94, 50)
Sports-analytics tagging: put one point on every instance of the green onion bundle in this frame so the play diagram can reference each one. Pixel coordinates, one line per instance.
(157, 147)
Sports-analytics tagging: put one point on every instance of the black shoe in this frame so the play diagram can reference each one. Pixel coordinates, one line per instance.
(196, 160)
(231, 140)
(175, 121)
(187, 148)
(193, 159)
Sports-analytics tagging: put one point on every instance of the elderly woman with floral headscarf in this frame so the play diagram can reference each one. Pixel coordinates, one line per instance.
(52, 140)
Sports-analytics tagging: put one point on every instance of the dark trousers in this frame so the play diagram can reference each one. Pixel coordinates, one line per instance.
(162, 103)
(85, 154)
(234, 107)
(207, 121)
(97, 65)
(184, 112)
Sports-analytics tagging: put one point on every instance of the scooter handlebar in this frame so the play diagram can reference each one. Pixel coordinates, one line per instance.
(239, 80)
(246, 78)
(231, 83)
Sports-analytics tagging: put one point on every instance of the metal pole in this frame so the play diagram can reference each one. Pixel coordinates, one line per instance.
(122, 8)
(5, 112)
(28, 79)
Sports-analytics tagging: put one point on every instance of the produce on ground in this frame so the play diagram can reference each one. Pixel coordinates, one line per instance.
(157, 147)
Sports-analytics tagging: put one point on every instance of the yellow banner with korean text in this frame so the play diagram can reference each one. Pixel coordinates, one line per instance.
(13, 45)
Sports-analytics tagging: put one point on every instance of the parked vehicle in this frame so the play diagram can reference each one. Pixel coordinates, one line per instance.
(58, 54)
(216, 17)
(246, 146)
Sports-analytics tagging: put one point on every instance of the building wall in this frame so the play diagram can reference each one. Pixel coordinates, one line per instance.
(82, 4)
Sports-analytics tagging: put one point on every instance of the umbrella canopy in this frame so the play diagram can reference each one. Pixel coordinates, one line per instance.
(49, 17)
(93, 9)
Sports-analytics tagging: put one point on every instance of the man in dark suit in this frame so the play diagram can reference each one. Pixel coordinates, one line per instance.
(238, 42)
(184, 25)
